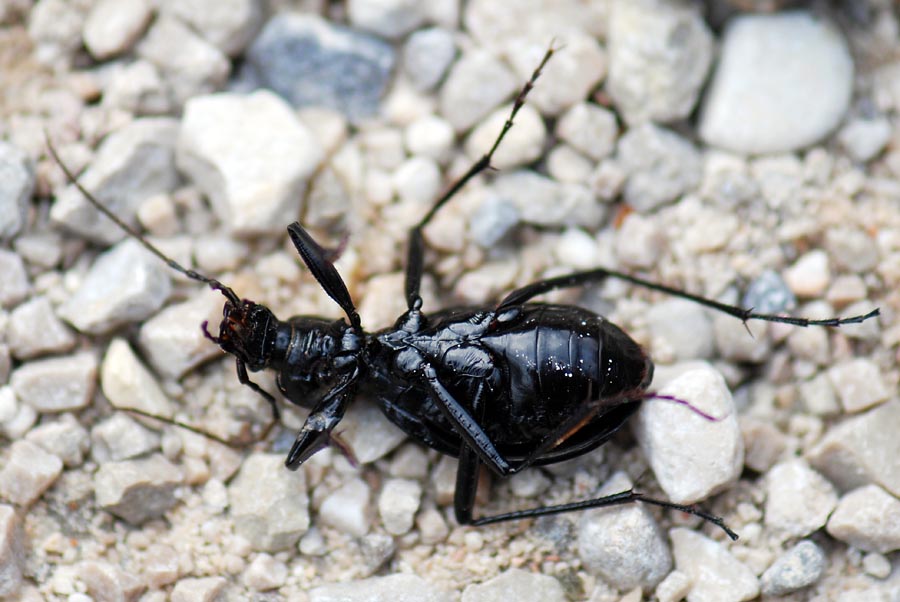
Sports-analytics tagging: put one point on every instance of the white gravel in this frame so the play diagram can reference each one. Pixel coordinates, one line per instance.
(654, 143)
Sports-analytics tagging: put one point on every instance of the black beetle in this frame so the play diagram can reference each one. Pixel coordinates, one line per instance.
(509, 386)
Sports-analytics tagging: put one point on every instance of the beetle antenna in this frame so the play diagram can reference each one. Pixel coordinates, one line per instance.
(192, 274)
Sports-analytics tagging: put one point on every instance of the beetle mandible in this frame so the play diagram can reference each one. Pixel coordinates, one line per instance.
(508, 386)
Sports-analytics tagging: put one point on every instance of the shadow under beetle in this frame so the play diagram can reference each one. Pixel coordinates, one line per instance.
(511, 386)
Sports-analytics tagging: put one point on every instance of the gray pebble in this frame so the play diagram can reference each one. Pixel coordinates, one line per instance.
(347, 509)
(113, 26)
(389, 19)
(229, 25)
(12, 551)
(565, 164)
(543, 202)
(798, 499)
(864, 139)
(493, 219)
(862, 450)
(189, 65)
(681, 330)
(65, 438)
(120, 438)
(250, 155)
(876, 565)
(311, 62)
(376, 550)
(57, 384)
(639, 242)
(17, 179)
(132, 164)
(760, 101)
(107, 581)
(764, 444)
(691, 456)
(859, 384)
(716, 575)
(660, 166)
(867, 518)
(398, 503)
(768, 294)
(659, 55)
(265, 573)
(125, 284)
(427, 55)
(42, 249)
(35, 330)
(126, 383)
(399, 587)
(173, 340)
(269, 505)
(430, 136)
(516, 584)
(589, 128)
(624, 545)
(14, 284)
(818, 396)
(417, 180)
(368, 433)
(799, 567)
(200, 589)
(476, 85)
(28, 472)
(137, 490)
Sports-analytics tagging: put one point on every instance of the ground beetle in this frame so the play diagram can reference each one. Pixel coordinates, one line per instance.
(509, 386)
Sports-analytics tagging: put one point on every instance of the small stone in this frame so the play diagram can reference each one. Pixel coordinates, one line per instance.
(859, 384)
(759, 100)
(418, 180)
(113, 26)
(121, 438)
(818, 396)
(376, 549)
(726, 179)
(42, 249)
(681, 330)
(398, 503)
(529, 484)
(673, 588)
(347, 508)
(14, 284)
(735, 343)
(493, 219)
(229, 25)
(692, 456)
(137, 88)
(137, 490)
(543, 202)
(35, 330)
(399, 587)
(64, 438)
(768, 294)
(12, 552)
(864, 139)
(57, 384)
(17, 179)
(624, 545)
(431, 137)
(876, 565)
(28, 472)
(128, 384)
(565, 164)
(109, 582)
(716, 575)
(660, 166)
(432, 526)
(427, 55)
(173, 340)
(250, 155)
(576, 71)
(799, 567)
(313, 543)
(867, 518)
(264, 573)
(476, 85)
(189, 65)
(389, 19)
(523, 144)
(852, 249)
(312, 62)
(763, 443)
(269, 505)
(798, 499)
(846, 289)
(577, 249)
(810, 275)
(589, 128)
(55, 27)
(202, 589)
(659, 55)
(368, 433)
(861, 450)
(639, 242)
(160, 565)
(125, 284)
(516, 584)
(132, 164)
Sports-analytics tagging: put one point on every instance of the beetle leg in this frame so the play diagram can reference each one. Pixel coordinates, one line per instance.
(521, 295)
